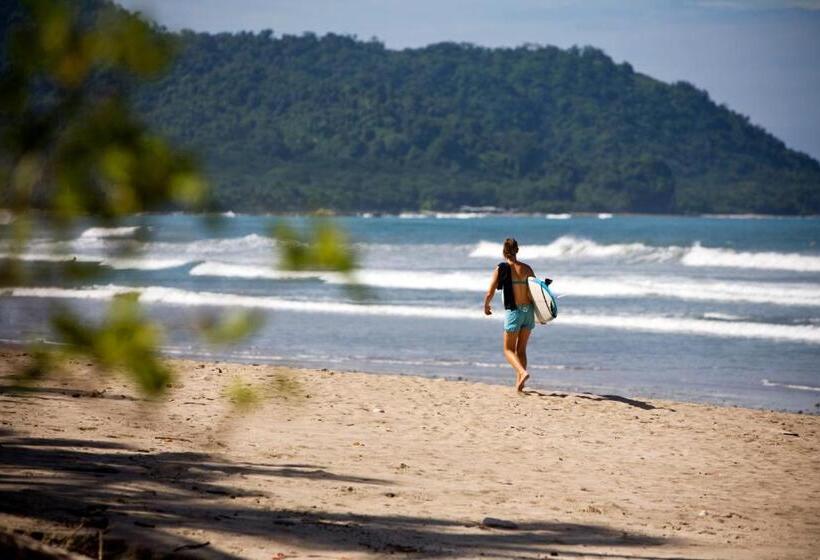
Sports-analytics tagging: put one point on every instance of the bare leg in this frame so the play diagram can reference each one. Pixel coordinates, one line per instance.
(510, 344)
(521, 353)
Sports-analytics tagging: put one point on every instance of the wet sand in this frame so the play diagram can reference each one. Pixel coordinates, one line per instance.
(348, 465)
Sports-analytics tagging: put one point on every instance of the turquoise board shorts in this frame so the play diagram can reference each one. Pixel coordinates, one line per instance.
(521, 318)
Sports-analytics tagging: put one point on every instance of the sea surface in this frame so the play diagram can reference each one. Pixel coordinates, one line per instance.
(717, 309)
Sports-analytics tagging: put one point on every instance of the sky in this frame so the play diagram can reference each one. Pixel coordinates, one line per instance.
(759, 57)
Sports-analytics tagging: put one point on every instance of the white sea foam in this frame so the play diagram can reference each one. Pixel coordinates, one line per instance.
(443, 215)
(499, 365)
(791, 294)
(398, 279)
(706, 256)
(571, 247)
(92, 293)
(203, 247)
(142, 263)
(682, 325)
(768, 383)
(784, 294)
(99, 232)
(154, 255)
(460, 215)
(722, 316)
(175, 296)
(456, 363)
(417, 280)
(641, 323)
(249, 244)
(118, 263)
(230, 270)
(744, 216)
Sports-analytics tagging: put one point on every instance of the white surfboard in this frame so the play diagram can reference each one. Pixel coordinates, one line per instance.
(546, 304)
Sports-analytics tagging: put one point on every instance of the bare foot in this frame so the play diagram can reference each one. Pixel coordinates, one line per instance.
(521, 381)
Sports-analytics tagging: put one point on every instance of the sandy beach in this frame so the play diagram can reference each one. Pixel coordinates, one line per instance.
(348, 465)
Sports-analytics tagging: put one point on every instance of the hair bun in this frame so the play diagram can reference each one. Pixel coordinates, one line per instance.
(510, 248)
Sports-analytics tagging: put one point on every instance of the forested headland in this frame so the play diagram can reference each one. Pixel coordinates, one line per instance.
(297, 123)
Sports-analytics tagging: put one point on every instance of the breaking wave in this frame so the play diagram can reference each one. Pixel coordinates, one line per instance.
(569, 246)
(641, 323)
(706, 256)
(139, 263)
(398, 279)
(117, 263)
(100, 232)
(230, 270)
(791, 294)
(572, 247)
(797, 387)
(201, 247)
(93, 246)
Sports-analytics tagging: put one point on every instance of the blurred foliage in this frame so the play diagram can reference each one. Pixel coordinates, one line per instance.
(41, 364)
(284, 385)
(124, 339)
(324, 247)
(243, 395)
(231, 327)
(72, 148)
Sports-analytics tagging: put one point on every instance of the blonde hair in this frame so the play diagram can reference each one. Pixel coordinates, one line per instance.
(510, 248)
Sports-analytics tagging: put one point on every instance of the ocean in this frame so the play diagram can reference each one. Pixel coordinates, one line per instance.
(715, 309)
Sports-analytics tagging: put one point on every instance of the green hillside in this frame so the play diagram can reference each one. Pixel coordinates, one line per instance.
(299, 123)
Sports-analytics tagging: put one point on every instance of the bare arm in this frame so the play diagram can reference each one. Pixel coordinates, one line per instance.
(490, 293)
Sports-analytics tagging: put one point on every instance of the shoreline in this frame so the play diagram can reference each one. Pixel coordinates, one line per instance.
(362, 465)
(533, 383)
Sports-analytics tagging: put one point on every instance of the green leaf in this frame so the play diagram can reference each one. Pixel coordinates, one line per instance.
(230, 327)
(242, 395)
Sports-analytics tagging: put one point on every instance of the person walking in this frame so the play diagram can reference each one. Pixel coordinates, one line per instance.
(510, 276)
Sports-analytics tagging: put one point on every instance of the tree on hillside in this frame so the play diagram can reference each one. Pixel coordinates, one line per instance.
(295, 122)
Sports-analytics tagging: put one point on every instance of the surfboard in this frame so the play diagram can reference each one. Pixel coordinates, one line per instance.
(546, 304)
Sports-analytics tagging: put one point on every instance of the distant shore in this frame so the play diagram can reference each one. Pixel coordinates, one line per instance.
(350, 465)
(6, 216)
(322, 212)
